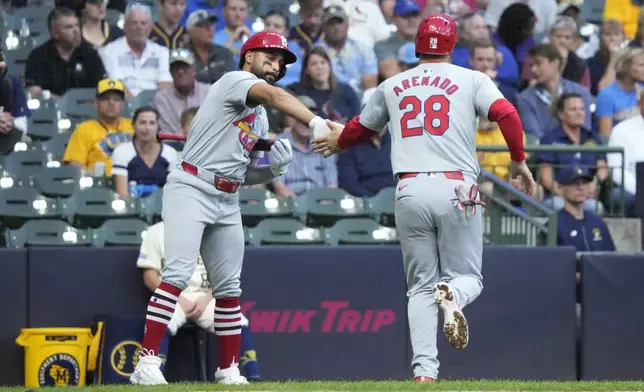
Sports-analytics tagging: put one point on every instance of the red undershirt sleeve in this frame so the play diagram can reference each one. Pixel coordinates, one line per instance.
(354, 133)
(505, 114)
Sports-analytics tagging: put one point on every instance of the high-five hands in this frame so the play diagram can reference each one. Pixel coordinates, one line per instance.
(327, 144)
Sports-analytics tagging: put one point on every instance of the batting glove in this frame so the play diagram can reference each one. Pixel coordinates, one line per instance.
(319, 127)
(281, 155)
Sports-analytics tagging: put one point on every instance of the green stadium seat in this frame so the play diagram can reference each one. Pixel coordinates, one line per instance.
(24, 163)
(247, 236)
(61, 181)
(47, 233)
(145, 98)
(78, 103)
(258, 204)
(113, 16)
(120, 232)
(18, 205)
(151, 206)
(16, 60)
(280, 231)
(91, 207)
(381, 207)
(43, 123)
(325, 206)
(54, 148)
(360, 231)
(36, 17)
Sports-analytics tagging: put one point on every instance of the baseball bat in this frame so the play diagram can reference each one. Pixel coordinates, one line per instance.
(261, 145)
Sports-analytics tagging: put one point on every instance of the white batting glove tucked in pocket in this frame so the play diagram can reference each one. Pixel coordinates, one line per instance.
(280, 156)
(467, 200)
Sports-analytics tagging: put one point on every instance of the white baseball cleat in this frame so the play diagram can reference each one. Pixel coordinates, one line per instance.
(455, 326)
(230, 376)
(148, 371)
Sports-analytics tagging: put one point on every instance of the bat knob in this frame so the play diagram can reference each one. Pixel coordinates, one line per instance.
(158, 136)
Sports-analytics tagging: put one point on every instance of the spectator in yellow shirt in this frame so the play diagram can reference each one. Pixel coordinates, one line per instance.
(625, 11)
(94, 140)
(498, 163)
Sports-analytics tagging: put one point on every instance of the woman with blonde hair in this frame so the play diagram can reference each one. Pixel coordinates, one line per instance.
(618, 101)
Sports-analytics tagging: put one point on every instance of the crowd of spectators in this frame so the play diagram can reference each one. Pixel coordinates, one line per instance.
(570, 86)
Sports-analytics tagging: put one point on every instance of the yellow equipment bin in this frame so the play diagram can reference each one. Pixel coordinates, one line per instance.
(55, 356)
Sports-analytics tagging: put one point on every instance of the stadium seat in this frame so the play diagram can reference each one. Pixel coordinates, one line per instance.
(47, 233)
(247, 236)
(78, 103)
(91, 207)
(35, 16)
(381, 207)
(43, 123)
(323, 207)
(117, 232)
(144, 98)
(24, 163)
(279, 231)
(54, 148)
(151, 205)
(16, 60)
(258, 204)
(113, 16)
(61, 181)
(359, 231)
(18, 205)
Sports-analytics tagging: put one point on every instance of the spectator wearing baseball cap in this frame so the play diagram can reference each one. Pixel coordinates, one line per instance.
(576, 226)
(211, 60)
(406, 18)
(94, 140)
(308, 170)
(184, 92)
(353, 63)
(407, 57)
(168, 31)
(236, 32)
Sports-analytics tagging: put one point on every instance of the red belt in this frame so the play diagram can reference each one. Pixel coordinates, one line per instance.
(450, 175)
(221, 183)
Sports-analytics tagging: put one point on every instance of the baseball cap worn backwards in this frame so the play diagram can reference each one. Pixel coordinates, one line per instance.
(334, 12)
(200, 18)
(107, 85)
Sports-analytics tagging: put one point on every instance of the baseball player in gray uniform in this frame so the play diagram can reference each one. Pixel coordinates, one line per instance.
(432, 111)
(200, 201)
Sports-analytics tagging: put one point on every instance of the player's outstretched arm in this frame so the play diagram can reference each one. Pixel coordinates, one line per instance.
(281, 100)
(505, 114)
(342, 137)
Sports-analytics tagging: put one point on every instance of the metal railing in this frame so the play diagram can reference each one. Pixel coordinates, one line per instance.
(515, 218)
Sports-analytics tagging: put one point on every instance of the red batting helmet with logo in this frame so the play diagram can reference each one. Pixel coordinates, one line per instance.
(436, 35)
(268, 40)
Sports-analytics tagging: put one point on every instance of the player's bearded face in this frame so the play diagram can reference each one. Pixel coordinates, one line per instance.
(267, 65)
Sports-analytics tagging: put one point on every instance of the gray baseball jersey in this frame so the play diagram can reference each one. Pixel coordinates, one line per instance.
(222, 134)
(432, 112)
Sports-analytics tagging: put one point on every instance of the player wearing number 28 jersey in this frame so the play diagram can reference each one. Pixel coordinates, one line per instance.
(432, 113)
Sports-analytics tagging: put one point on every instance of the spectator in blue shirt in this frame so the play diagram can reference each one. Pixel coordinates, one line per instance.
(576, 226)
(365, 170)
(534, 103)
(308, 170)
(407, 57)
(618, 101)
(236, 32)
(474, 29)
(570, 111)
(353, 63)
(276, 22)
(335, 100)
(484, 58)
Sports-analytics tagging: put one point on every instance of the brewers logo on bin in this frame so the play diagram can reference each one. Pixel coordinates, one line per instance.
(59, 370)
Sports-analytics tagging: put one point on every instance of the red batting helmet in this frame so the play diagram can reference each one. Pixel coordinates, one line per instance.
(436, 35)
(268, 40)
